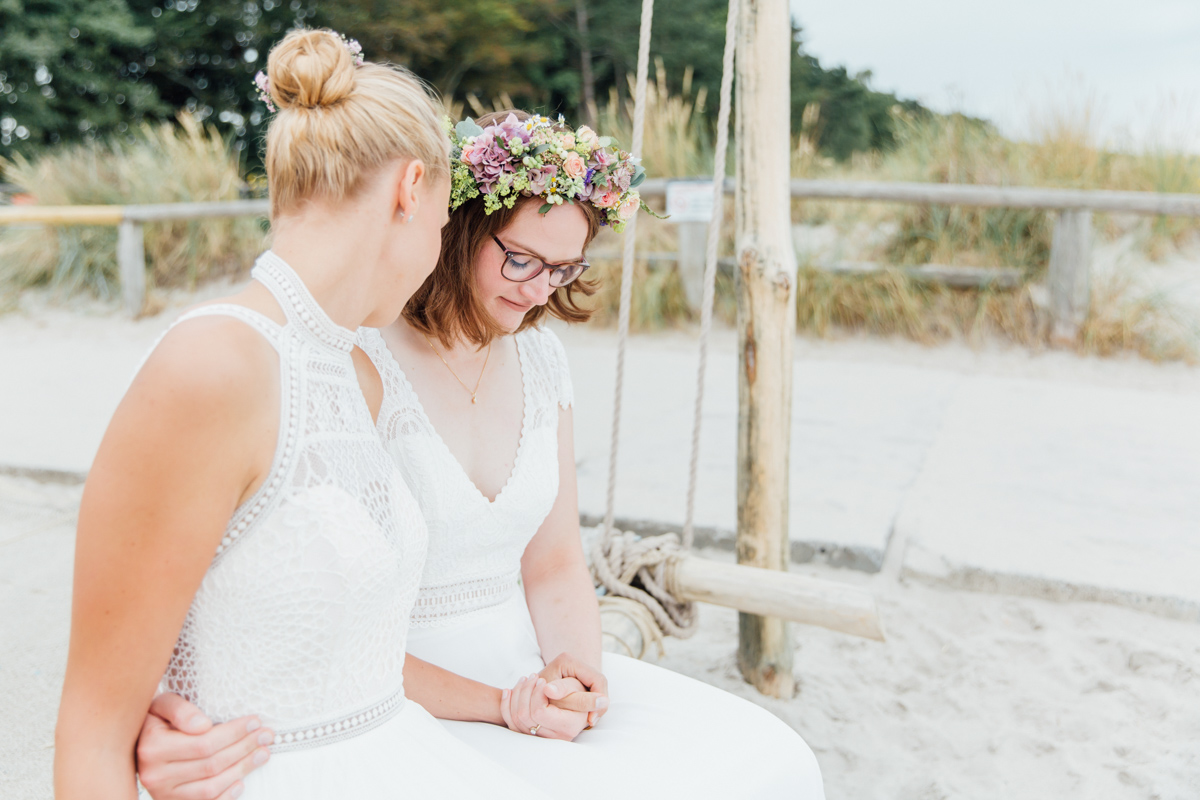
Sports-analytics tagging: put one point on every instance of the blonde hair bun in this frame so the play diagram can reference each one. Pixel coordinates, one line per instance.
(310, 69)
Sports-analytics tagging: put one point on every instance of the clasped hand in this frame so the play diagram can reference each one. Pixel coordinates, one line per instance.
(559, 702)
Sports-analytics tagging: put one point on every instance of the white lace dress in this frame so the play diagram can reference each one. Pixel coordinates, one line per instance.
(665, 735)
(302, 616)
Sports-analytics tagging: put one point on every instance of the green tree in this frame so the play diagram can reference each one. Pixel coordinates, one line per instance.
(853, 117)
(204, 54)
(481, 46)
(71, 70)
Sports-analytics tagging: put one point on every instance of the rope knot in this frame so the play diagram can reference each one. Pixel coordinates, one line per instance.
(634, 567)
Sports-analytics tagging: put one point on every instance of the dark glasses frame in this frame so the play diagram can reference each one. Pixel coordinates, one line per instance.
(554, 268)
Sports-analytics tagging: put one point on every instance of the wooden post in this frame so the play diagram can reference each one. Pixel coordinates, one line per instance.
(693, 238)
(131, 258)
(1070, 264)
(766, 319)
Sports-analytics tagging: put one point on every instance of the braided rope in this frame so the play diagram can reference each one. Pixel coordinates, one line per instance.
(710, 261)
(639, 128)
(622, 557)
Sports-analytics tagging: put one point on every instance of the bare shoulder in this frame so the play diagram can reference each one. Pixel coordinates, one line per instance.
(192, 436)
(211, 359)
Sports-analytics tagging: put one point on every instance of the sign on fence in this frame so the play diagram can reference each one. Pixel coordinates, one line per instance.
(690, 201)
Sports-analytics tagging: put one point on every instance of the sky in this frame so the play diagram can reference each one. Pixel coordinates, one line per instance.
(1134, 64)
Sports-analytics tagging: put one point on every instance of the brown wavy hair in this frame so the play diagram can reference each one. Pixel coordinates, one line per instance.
(448, 305)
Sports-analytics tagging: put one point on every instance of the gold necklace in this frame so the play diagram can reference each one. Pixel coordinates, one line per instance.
(455, 374)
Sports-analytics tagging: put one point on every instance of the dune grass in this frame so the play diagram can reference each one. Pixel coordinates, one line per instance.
(944, 149)
(184, 162)
(163, 163)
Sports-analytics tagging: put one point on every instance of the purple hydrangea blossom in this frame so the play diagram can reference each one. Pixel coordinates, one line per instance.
(509, 129)
(487, 159)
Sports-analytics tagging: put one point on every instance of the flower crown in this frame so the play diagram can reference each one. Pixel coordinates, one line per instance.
(536, 157)
(262, 83)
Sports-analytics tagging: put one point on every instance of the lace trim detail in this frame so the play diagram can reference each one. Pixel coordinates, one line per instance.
(330, 731)
(286, 448)
(437, 605)
(274, 272)
(566, 390)
(285, 445)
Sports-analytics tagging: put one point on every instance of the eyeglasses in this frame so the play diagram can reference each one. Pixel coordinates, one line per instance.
(520, 267)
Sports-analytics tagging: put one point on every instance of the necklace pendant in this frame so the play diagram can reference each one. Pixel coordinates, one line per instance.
(472, 399)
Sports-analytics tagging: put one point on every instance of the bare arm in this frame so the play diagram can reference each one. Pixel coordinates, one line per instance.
(558, 586)
(193, 436)
(448, 695)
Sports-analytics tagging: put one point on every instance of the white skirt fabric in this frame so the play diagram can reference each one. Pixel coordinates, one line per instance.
(665, 735)
(409, 756)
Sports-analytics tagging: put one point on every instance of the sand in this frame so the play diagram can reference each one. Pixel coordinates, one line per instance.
(984, 696)
(972, 696)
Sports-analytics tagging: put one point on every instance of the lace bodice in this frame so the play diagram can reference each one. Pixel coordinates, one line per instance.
(475, 545)
(302, 616)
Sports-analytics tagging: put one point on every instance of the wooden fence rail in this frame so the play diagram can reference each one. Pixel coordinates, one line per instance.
(1070, 255)
(131, 239)
(1071, 245)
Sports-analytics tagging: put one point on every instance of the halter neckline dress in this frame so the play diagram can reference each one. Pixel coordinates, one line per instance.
(302, 616)
(665, 734)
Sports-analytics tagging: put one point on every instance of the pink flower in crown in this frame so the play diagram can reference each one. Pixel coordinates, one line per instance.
(587, 136)
(622, 176)
(539, 179)
(606, 199)
(574, 165)
(567, 140)
(487, 160)
(603, 158)
(629, 206)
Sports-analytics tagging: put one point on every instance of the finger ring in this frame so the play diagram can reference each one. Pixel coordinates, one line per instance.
(533, 731)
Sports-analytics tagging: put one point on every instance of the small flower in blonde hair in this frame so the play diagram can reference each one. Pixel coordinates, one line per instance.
(262, 83)
(355, 49)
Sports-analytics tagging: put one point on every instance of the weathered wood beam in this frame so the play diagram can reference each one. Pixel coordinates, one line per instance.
(947, 275)
(951, 194)
(798, 598)
(766, 322)
(61, 215)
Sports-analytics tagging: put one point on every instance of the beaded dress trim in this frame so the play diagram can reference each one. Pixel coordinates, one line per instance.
(302, 617)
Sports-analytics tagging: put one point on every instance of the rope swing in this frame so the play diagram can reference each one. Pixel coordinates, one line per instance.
(631, 568)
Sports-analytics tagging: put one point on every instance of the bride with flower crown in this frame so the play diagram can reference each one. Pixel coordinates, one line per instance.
(477, 402)
(244, 538)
